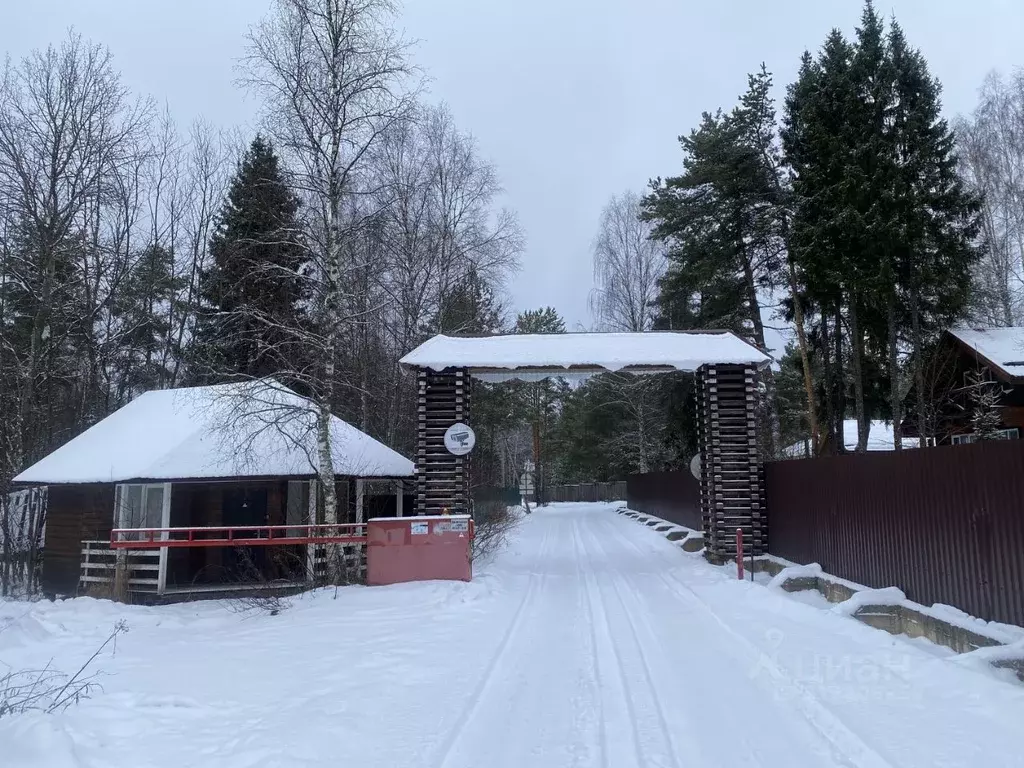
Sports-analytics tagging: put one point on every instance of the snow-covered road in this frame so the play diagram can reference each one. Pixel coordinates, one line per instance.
(591, 641)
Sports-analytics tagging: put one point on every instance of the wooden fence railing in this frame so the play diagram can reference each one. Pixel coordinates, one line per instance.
(102, 567)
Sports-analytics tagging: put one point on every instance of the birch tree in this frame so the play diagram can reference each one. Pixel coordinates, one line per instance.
(990, 146)
(628, 264)
(333, 75)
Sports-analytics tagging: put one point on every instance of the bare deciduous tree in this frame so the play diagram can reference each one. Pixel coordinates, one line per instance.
(627, 267)
(333, 75)
(69, 138)
(991, 150)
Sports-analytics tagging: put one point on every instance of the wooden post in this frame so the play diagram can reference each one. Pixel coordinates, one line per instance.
(359, 500)
(399, 497)
(731, 488)
(165, 522)
(442, 479)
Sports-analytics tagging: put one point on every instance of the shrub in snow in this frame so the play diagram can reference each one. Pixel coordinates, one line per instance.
(49, 690)
(493, 522)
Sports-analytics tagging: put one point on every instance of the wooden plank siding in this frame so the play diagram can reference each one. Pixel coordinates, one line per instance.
(75, 513)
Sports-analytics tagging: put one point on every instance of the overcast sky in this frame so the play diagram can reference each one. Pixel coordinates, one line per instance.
(573, 100)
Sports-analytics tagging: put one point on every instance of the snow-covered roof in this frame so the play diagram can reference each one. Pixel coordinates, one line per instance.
(881, 437)
(683, 351)
(252, 429)
(1000, 348)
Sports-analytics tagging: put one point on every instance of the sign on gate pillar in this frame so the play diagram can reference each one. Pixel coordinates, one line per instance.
(731, 486)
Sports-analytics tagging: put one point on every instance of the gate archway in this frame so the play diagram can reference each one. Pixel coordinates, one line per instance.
(732, 488)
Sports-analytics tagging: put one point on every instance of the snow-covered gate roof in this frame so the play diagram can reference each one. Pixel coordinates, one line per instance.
(584, 353)
(253, 429)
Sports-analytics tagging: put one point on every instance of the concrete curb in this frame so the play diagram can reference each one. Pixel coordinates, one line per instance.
(688, 540)
(900, 618)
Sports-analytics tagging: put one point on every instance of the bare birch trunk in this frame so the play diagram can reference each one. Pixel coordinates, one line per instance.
(856, 369)
(894, 375)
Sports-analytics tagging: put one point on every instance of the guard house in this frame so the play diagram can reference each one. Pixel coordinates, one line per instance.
(726, 367)
(208, 490)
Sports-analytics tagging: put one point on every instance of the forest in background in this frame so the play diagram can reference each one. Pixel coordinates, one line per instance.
(137, 253)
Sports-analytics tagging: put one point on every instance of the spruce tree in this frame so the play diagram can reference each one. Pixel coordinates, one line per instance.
(818, 146)
(539, 400)
(883, 231)
(248, 321)
(144, 309)
(470, 308)
(935, 219)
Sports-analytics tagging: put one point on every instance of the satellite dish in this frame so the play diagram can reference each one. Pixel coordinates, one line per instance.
(695, 466)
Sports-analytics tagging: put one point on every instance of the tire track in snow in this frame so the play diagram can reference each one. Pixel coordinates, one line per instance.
(581, 574)
(592, 588)
(650, 686)
(534, 585)
(850, 747)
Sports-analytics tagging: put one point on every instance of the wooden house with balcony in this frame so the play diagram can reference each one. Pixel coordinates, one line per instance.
(207, 490)
(964, 362)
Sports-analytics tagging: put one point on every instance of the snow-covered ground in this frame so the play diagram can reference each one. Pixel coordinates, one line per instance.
(591, 641)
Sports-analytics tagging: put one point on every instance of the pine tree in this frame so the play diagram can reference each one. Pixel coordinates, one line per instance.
(246, 326)
(720, 220)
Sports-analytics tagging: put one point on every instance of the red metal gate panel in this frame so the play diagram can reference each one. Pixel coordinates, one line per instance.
(401, 549)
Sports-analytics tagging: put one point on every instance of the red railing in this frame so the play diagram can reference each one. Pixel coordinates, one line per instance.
(238, 536)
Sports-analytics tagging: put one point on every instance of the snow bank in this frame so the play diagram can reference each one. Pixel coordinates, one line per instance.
(22, 631)
(1003, 633)
(35, 739)
(811, 571)
(886, 596)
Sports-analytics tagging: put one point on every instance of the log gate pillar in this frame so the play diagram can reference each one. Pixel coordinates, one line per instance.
(731, 487)
(442, 479)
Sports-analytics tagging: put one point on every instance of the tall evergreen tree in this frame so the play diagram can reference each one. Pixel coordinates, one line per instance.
(935, 220)
(470, 308)
(816, 139)
(719, 221)
(145, 308)
(247, 323)
(883, 230)
(540, 400)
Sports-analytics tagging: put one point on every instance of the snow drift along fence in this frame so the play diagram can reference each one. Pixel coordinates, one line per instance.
(612, 491)
(672, 496)
(945, 525)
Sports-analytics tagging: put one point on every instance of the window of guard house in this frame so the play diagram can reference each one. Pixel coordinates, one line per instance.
(139, 506)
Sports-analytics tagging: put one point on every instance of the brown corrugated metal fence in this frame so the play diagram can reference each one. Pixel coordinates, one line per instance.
(610, 491)
(672, 496)
(945, 525)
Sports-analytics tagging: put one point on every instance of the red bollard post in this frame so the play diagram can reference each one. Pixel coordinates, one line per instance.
(739, 554)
